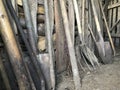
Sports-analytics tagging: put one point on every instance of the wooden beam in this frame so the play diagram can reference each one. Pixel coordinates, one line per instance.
(114, 5)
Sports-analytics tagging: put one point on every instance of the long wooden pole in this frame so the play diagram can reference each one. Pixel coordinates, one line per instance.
(49, 44)
(4, 75)
(107, 28)
(61, 63)
(12, 49)
(73, 59)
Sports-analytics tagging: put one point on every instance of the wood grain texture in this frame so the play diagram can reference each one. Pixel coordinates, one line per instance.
(12, 49)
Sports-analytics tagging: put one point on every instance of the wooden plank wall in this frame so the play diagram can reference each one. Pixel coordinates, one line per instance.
(113, 17)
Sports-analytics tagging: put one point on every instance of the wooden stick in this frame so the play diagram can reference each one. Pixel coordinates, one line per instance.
(49, 45)
(12, 49)
(78, 21)
(117, 22)
(30, 27)
(14, 3)
(51, 15)
(114, 5)
(73, 59)
(33, 58)
(107, 28)
(33, 5)
(4, 75)
(98, 27)
(71, 19)
(110, 15)
(83, 17)
(61, 63)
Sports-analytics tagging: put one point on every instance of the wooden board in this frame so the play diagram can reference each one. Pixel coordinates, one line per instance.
(61, 63)
(118, 17)
(110, 15)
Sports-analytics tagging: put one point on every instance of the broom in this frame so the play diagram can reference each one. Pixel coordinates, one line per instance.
(87, 53)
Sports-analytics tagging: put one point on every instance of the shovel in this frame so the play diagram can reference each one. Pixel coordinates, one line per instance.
(107, 29)
(106, 58)
(104, 48)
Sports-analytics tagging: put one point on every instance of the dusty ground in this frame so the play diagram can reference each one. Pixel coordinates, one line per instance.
(105, 78)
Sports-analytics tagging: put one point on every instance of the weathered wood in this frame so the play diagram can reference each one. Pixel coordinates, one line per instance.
(30, 78)
(61, 63)
(41, 29)
(41, 10)
(114, 5)
(86, 35)
(118, 18)
(4, 75)
(40, 19)
(51, 15)
(73, 59)
(91, 23)
(114, 18)
(45, 65)
(49, 44)
(30, 27)
(12, 49)
(19, 2)
(42, 40)
(41, 2)
(110, 16)
(71, 16)
(83, 18)
(107, 29)
(9, 69)
(101, 41)
(112, 28)
(33, 57)
(33, 5)
(14, 3)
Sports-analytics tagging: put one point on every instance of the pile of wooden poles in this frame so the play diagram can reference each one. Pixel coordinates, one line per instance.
(42, 38)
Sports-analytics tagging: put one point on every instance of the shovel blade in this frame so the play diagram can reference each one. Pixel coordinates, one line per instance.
(108, 53)
(107, 58)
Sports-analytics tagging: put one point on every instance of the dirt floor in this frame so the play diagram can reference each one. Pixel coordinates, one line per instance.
(107, 77)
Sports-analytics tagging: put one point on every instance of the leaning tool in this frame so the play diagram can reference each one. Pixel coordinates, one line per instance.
(73, 59)
(103, 47)
(106, 58)
(107, 28)
(13, 49)
(33, 57)
(87, 53)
